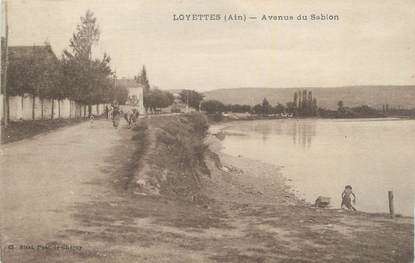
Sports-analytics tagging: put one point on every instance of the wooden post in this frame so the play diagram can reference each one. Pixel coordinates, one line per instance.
(391, 209)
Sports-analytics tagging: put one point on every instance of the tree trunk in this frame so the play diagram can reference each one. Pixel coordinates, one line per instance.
(41, 108)
(22, 107)
(52, 109)
(33, 107)
(7, 109)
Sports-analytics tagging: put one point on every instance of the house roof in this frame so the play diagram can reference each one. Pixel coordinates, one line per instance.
(21, 52)
(128, 83)
(27, 60)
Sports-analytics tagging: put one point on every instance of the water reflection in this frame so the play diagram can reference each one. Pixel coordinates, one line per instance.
(262, 129)
(303, 132)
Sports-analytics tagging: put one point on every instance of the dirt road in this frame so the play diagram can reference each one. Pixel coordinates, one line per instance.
(43, 178)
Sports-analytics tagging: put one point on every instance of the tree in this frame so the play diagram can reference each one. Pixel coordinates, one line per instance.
(295, 100)
(161, 99)
(191, 98)
(257, 109)
(314, 107)
(212, 106)
(142, 79)
(157, 98)
(245, 108)
(304, 100)
(37, 73)
(100, 81)
(340, 105)
(237, 108)
(306, 105)
(266, 107)
(279, 108)
(86, 36)
(86, 80)
(120, 94)
(340, 109)
(291, 107)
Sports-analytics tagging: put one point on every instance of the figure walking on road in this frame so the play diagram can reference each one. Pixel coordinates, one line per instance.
(116, 112)
(347, 198)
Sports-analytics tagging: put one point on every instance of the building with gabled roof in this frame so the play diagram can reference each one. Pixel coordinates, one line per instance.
(135, 93)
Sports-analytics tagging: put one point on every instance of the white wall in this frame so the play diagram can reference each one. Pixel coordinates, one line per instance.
(84, 110)
(74, 110)
(47, 109)
(38, 108)
(27, 107)
(15, 108)
(94, 110)
(55, 109)
(22, 108)
(65, 106)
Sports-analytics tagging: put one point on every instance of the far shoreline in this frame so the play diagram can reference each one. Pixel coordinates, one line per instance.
(227, 119)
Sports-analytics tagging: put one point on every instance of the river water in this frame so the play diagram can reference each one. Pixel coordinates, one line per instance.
(321, 156)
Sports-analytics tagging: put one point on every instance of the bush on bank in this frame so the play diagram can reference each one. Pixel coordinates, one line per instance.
(177, 155)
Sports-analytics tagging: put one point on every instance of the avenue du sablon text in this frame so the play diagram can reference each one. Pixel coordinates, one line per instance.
(317, 17)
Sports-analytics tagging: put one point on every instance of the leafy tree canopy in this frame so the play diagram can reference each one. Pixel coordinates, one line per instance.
(157, 98)
(86, 80)
(191, 98)
(212, 106)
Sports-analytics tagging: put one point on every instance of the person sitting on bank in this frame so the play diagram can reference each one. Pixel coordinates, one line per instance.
(347, 198)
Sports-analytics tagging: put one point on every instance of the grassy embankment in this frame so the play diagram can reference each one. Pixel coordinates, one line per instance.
(170, 157)
(20, 130)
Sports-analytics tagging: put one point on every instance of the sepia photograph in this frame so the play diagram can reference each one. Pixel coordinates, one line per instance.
(207, 131)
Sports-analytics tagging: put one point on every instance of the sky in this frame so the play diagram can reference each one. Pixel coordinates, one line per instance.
(372, 43)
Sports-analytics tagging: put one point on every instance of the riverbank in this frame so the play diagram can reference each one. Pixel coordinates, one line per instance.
(302, 232)
(321, 156)
(218, 120)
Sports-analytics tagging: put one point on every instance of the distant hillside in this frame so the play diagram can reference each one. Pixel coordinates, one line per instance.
(374, 96)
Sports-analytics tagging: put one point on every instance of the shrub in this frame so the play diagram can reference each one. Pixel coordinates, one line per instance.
(199, 123)
(213, 106)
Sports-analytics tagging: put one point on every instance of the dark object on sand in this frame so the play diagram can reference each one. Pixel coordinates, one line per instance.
(322, 201)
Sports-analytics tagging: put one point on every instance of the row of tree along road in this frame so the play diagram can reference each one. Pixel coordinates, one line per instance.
(71, 83)
(75, 76)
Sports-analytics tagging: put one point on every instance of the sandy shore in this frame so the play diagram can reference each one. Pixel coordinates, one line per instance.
(257, 195)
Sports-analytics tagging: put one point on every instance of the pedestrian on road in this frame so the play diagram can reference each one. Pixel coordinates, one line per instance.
(91, 119)
(106, 112)
(116, 116)
(347, 198)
